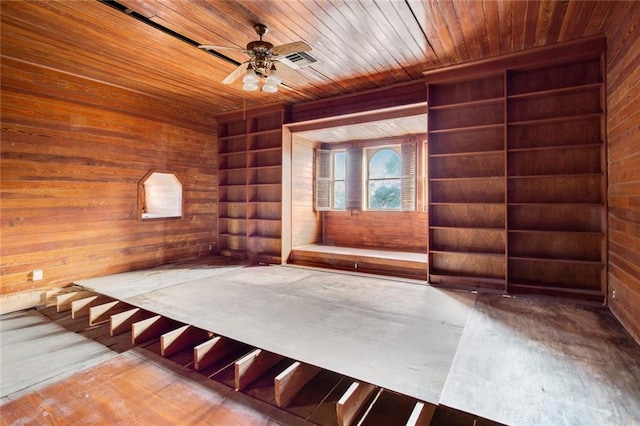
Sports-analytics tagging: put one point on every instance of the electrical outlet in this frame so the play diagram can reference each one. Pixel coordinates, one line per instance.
(613, 294)
(37, 275)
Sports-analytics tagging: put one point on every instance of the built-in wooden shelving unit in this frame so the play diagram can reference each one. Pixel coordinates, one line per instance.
(250, 183)
(467, 190)
(517, 168)
(556, 179)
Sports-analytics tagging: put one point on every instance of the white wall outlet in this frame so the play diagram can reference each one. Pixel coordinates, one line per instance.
(613, 294)
(37, 274)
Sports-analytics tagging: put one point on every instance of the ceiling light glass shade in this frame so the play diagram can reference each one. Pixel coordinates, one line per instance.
(274, 78)
(250, 87)
(269, 88)
(250, 77)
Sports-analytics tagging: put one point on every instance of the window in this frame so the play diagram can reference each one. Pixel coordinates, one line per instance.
(160, 196)
(339, 192)
(376, 178)
(384, 178)
(331, 174)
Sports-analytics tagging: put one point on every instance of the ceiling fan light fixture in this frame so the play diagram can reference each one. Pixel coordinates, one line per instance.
(270, 88)
(250, 87)
(274, 78)
(250, 77)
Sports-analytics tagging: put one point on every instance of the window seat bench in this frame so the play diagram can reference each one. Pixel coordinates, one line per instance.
(373, 261)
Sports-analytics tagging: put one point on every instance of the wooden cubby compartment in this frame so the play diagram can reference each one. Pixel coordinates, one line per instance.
(250, 183)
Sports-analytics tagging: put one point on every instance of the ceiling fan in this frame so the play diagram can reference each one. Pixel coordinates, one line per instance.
(262, 58)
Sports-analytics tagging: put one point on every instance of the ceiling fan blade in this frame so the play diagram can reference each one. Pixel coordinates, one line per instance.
(285, 49)
(235, 73)
(214, 47)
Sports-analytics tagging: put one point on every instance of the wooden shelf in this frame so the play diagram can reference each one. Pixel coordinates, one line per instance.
(554, 120)
(552, 231)
(554, 260)
(468, 153)
(555, 147)
(479, 102)
(277, 131)
(469, 253)
(556, 175)
(557, 91)
(468, 128)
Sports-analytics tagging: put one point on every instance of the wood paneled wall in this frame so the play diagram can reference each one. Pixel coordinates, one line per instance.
(306, 222)
(404, 231)
(623, 133)
(73, 151)
(412, 92)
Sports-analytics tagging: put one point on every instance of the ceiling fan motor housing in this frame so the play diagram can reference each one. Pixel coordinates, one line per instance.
(260, 52)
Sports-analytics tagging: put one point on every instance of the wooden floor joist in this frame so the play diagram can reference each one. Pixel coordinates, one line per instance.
(80, 307)
(213, 350)
(253, 365)
(353, 402)
(290, 381)
(421, 414)
(63, 301)
(182, 338)
(151, 328)
(102, 313)
(122, 322)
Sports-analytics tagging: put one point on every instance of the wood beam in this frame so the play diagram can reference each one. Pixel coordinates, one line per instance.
(150, 328)
(121, 322)
(290, 381)
(182, 338)
(353, 402)
(421, 414)
(63, 301)
(213, 350)
(253, 365)
(80, 307)
(102, 313)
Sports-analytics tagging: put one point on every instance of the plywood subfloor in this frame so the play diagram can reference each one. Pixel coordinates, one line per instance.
(390, 333)
(541, 362)
(138, 387)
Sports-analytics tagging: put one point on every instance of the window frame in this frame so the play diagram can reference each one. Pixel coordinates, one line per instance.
(144, 195)
(412, 173)
(369, 154)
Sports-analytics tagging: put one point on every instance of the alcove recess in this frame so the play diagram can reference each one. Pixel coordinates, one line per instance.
(517, 168)
(250, 183)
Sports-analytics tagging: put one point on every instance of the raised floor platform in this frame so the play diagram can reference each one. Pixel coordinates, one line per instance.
(514, 361)
(375, 261)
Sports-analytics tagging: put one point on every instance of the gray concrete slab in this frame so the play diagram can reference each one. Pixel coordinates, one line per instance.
(390, 333)
(541, 362)
(34, 351)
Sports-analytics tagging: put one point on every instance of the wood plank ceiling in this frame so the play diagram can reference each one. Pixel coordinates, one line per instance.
(359, 44)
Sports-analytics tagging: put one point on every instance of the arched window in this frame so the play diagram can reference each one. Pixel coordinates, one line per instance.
(384, 178)
(160, 196)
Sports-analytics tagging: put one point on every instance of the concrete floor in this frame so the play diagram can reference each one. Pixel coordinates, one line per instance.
(35, 352)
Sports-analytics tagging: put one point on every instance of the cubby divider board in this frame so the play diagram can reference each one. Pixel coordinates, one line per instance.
(250, 183)
(517, 168)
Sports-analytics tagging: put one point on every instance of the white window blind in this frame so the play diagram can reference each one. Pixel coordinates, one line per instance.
(323, 180)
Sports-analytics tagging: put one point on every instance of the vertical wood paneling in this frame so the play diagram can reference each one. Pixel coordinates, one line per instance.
(305, 224)
(73, 151)
(623, 128)
(405, 231)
